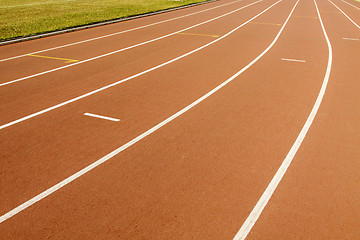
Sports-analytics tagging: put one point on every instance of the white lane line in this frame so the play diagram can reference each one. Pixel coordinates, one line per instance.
(292, 60)
(124, 49)
(264, 199)
(345, 14)
(138, 138)
(351, 4)
(117, 33)
(352, 39)
(102, 117)
(131, 77)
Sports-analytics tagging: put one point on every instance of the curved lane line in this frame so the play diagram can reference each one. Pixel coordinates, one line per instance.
(135, 140)
(117, 33)
(345, 14)
(127, 48)
(264, 199)
(128, 78)
(351, 4)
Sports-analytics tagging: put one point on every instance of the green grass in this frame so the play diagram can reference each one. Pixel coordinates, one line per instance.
(27, 17)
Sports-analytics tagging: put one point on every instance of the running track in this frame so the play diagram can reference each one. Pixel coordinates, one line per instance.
(229, 120)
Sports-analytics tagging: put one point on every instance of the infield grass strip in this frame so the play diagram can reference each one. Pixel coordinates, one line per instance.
(20, 18)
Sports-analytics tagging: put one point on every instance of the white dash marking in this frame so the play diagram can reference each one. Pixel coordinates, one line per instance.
(102, 117)
(353, 39)
(292, 60)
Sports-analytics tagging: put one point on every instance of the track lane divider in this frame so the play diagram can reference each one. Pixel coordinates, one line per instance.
(345, 14)
(264, 199)
(117, 33)
(129, 78)
(78, 174)
(352, 39)
(351, 4)
(126, 48)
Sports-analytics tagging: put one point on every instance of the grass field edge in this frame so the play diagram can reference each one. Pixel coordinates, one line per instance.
(97, 24)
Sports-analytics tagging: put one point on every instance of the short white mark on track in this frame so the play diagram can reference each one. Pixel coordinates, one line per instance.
(352, 39)
(292, 60)
(102, 117)
(116, 33)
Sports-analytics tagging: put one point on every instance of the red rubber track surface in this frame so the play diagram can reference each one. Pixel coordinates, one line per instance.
(200, 175)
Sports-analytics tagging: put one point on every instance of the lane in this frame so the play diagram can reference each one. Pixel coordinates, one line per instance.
(347, 16)
(182, 192)
(270, 189)
(93, 51)
(106, 45)
(353, 4)
(83, 35)
(130, 64)
(319, 189)
(37, 145)
(119, 32)
(184, 180)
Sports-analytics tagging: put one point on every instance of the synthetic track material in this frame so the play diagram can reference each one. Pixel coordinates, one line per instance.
(138, 138)
(198, 173)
